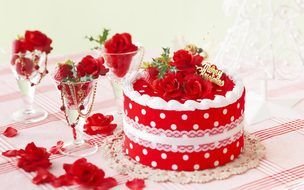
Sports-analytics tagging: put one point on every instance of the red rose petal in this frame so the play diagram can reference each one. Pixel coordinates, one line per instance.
(10, 153)
(63, 180)
(10, 132)
(136, 184)
(107, 183)
(55, 149)
(43, 176)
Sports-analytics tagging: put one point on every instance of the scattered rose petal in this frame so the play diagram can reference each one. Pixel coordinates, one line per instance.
(107, 183)
(63, 180)
(136, 184)
(10, 153)
(55, 149)
(43, 176)
(10, 132)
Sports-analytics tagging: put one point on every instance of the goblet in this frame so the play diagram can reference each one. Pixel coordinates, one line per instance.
(120, 65)
(29, 68)
(77, 103)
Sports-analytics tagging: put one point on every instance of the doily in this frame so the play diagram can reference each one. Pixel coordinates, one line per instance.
(111, 149)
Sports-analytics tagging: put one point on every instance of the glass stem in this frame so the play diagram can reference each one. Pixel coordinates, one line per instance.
(28, 94)
(118, 94)
(78, 128)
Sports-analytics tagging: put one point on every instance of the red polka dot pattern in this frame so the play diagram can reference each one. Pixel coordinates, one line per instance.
(184, 121)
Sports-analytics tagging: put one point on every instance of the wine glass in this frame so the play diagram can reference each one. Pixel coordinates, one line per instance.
(29, 68)
(120, 65)
(77, 103)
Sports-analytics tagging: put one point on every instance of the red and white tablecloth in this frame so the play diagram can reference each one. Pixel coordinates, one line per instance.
(283, 167)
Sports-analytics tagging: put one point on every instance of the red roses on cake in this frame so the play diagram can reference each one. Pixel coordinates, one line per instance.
(170, 86)
(185, 61)
(196, 87)
(177, 78)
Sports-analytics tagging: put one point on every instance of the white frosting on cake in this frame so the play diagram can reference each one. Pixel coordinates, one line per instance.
(189, 105)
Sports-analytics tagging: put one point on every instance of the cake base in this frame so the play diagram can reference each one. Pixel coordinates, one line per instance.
(112, 150)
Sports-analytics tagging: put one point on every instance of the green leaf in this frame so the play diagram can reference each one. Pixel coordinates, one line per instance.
(100, 40)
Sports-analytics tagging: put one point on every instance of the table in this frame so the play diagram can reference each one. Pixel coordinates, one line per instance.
(282, 168)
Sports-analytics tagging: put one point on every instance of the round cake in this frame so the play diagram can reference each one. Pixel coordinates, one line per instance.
(182, 134)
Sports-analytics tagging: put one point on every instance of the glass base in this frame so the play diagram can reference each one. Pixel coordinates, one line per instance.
(30, 116)
(81, 149)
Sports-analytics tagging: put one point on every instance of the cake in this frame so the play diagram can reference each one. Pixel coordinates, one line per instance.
(198, 125)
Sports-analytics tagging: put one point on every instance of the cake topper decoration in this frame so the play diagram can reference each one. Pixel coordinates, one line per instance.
(210, 72)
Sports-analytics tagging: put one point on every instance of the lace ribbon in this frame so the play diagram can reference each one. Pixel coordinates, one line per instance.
(190, 134)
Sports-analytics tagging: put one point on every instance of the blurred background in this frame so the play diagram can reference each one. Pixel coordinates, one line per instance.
(154, 23)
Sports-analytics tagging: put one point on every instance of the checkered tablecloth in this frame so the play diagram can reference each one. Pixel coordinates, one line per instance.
(283, 167)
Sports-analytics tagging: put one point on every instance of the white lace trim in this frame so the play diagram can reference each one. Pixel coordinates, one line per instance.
(111, 149)
(190, 134)
(185, 148)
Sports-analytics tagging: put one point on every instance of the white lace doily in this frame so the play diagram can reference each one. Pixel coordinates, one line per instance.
(111, 149)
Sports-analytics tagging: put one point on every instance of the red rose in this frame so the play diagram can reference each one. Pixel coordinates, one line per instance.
(21, 46)
(84, 173)
(24, 66)
(99, 124)
(63, 71)
(120, 43)
(38, 41)
(33, 157)
(91, 66)
(169, 87)
(119, 53)
(184, 61)
(103, 70)
(196, 88)
(152, 73)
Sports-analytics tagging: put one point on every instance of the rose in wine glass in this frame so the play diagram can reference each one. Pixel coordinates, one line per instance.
(29, 65)
(77, 83)
(122, 57)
